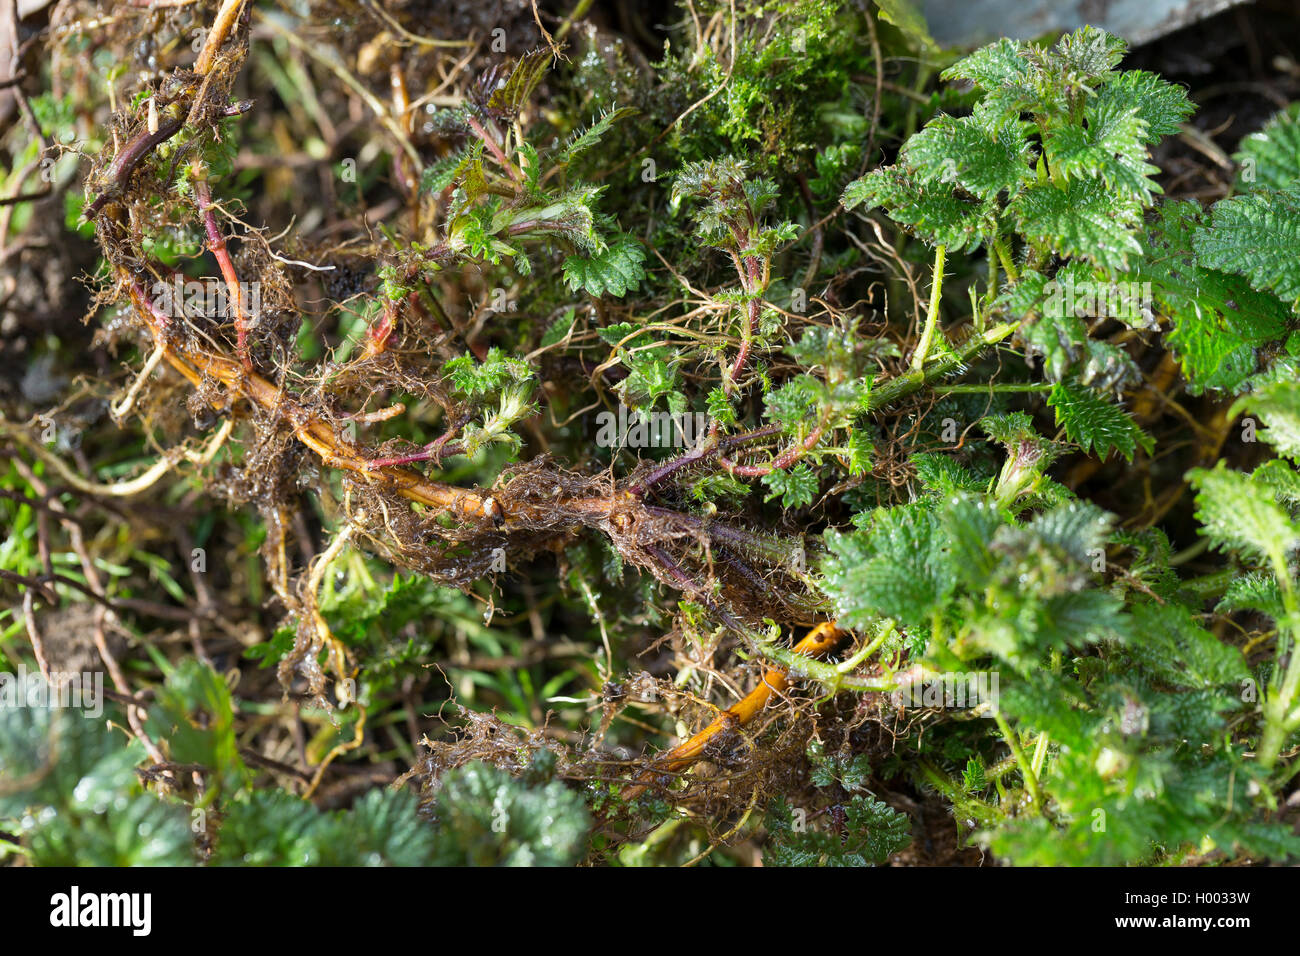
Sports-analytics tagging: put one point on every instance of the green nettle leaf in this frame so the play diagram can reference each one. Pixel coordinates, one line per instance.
(89, 757)
(442, 173)
(1036, 597)
(270, 828)
(1256, 236)
(531, 164)
(872, 832)
(473, 183)
(969, 523)
(485, 817)
(1278, 404)
(622, 334)
(930, 208)
(513, 95)
(1112, 147)
(1095, 424)
(983, 153)
(616, 271)
(896, 569)
(1237, 513)
(1059, 336)
(62, 770)
(1159, 104)
(1085, 220)
(1079, 529)
(1280, 479)
(829, 769)
(973, 776)
(1181, 652)
(1010, 428)
(275, 828)
(1070, 620)
(1086, 199)
(860, 451)
(1220, 322)
(585, 139)
(720, 407)
(795, 486)
(652, 378)
(1271, 157)
(194, 713)
(1257, 591)
(1088, 54)
(826, 347)
(652, 374)
(140, 831)
(938, 472)
(1020, 77)
(559, 330)
(793, 404)
(474, 378)
(1001, 70)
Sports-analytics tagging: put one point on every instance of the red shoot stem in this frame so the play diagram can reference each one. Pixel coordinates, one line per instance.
(217, 246)
(781, 461)
(494, 148)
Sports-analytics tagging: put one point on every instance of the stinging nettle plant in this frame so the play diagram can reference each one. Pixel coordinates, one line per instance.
(1050, 173)
(885, 498)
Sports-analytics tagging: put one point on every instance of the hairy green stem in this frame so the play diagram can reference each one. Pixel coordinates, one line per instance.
(1004, 256)
(932, 314)
(913, 381)
(1026, 770)
(1040, 754)
(966, 806)
(829, 676)
(849, 665)
(992, 388)
(1285, 681)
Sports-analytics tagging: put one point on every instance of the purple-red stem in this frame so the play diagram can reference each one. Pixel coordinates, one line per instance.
(217, 246)
(119, 171)
(712, 447)
(492, 146)
(780, 462)
(435, 451)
